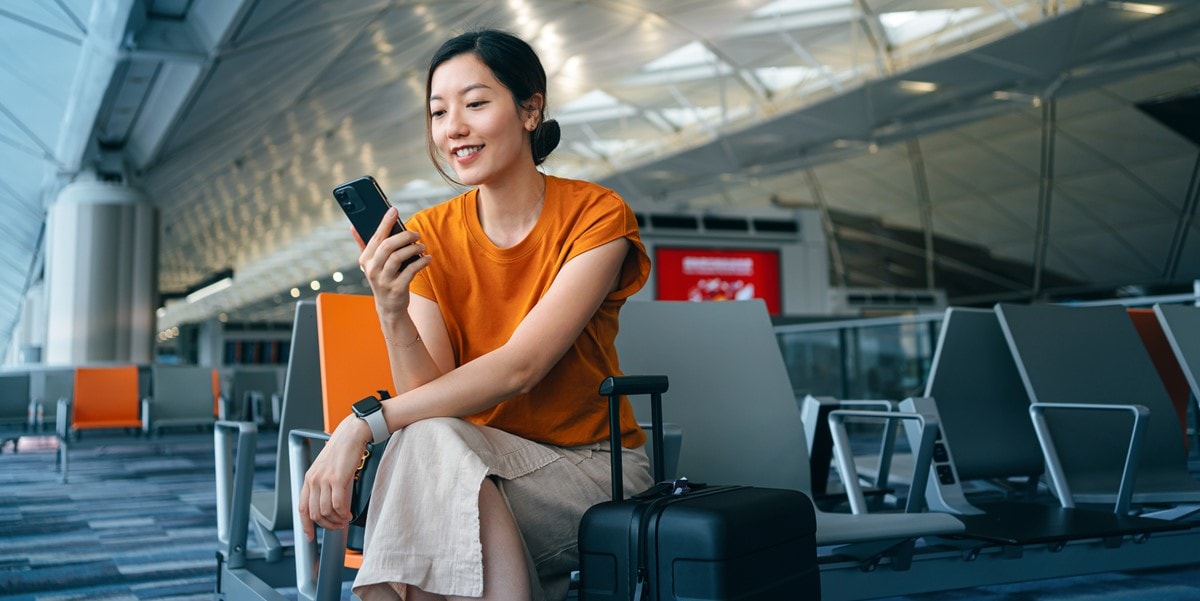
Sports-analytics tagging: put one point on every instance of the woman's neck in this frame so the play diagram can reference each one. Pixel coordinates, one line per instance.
(509, 210)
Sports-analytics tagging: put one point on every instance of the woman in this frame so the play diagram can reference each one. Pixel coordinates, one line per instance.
(498, 337)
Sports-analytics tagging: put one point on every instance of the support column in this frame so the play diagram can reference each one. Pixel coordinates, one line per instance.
(101, 275)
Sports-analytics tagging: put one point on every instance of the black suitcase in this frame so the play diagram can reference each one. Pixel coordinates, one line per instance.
(710, 543)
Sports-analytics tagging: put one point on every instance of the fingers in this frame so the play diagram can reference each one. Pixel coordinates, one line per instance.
(395, 261)
(385, 225)
(376, 253)
(323, 502)
(306, 523)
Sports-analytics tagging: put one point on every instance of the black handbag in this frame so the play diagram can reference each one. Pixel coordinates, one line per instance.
(360, 489)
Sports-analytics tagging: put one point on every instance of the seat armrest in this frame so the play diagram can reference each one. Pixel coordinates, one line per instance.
(147, 404)
(1058, 478)
(883, 404)
(845, 457)
(62, 418)
(316, 578)
(234, 447)
(888, 441)
(34, 416)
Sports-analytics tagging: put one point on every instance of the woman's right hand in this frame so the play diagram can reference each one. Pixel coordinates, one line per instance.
(325, 496)
(381, 259)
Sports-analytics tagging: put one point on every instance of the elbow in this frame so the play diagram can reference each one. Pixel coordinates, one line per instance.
(523, 380)
(521, 376)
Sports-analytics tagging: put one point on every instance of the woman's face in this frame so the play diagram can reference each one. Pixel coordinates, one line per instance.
(474, 122)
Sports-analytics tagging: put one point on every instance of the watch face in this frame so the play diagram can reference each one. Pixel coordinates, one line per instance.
(366, 406)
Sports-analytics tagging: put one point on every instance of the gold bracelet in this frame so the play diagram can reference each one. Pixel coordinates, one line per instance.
(415, 340)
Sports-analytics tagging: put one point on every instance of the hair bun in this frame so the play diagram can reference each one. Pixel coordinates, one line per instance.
(544, 140)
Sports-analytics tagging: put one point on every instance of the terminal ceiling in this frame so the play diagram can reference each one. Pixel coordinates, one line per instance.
(994, 148)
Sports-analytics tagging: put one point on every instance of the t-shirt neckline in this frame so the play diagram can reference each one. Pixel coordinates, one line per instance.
(528, 243)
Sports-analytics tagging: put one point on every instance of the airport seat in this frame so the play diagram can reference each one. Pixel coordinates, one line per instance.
(1093, 357)
(247, 390)
(814, 413)
(354, 364)
(180, 396)
(267, 511)
(1153, 336)
(102, 398)
(46, 387)
(981, 403)
(216, 392)
(731, 395)
(1181, 327)
(976, 393)
(14, 407)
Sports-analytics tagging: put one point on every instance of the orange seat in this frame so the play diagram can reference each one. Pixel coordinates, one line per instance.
(354, 361)
(1165, 362)
(106, 397)
(216, 386)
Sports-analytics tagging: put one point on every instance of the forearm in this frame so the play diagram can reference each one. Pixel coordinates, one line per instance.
(473, 387)
(411, 363)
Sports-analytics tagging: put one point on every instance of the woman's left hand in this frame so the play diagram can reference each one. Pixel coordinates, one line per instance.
(325, 497)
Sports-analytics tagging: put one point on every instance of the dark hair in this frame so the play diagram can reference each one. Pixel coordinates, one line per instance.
(514, 64)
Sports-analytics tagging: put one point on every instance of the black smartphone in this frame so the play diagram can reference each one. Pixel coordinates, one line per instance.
(364, 203)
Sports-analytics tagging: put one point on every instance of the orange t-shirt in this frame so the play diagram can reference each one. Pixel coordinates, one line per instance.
(484, 292)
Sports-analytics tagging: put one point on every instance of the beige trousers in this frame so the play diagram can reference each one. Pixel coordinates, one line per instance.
(423, 527)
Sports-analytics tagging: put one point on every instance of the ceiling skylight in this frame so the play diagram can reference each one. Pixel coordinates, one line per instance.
(906, 26)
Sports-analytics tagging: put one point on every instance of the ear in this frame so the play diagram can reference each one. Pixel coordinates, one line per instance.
(532, 111)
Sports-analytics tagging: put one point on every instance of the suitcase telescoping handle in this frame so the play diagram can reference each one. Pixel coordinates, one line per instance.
(614, 387)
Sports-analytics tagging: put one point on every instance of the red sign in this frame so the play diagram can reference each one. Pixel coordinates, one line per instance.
(717, 275)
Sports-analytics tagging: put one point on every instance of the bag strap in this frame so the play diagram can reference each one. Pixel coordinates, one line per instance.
(614, 387)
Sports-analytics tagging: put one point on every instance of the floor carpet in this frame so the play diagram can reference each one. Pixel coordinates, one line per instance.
(138, 521)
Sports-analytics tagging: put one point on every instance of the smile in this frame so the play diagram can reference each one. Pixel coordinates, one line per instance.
(468, 151)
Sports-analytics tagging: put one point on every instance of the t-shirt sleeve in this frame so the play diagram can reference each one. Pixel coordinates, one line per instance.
(608, 219)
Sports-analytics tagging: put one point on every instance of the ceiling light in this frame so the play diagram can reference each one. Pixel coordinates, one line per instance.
(210, 289)
(1017, 97)
(295, 293)
(315, 285)
(1139, 7)
(337, 276)
(922, 87)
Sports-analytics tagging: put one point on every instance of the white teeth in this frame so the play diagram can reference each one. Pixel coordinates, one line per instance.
(462, 152)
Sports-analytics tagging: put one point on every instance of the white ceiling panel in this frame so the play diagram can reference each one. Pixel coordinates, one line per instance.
(707, 105)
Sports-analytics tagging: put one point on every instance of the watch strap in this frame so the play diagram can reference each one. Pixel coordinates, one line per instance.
(379, 428)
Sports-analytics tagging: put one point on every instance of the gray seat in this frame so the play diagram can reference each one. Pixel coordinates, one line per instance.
(1181, 324)
(976, 392)
(270, 511)
(1094, 356)
(46, 387)
(981, 401)
(246, 390)
(14, 406)
(181, 395)
(731, 396)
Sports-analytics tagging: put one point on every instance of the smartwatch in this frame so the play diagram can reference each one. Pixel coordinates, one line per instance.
(370, 410)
